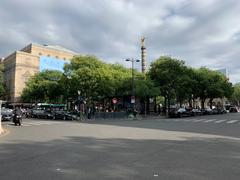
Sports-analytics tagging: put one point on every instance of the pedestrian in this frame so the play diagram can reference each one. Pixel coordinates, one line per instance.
(89, 113)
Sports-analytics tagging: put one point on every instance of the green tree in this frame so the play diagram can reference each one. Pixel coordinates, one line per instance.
(168, 74)
(94, 78)
(44, 86)
(211, 84)
(235, 98)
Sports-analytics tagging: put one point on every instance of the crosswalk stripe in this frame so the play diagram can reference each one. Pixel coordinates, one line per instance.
(32, 123)
(38, 123)
(26, 125)
(210, 120)
(232, 121)
(220, 121)
(199, 120)
(185, 120)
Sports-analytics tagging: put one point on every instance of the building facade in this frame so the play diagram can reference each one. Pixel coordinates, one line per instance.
(21, 65)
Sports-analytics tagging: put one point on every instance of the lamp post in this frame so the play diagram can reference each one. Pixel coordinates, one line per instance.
(133, 88)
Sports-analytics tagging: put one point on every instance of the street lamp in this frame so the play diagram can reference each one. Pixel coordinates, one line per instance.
(133, 89)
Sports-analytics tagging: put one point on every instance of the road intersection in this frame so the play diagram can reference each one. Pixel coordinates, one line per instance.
(195, 148)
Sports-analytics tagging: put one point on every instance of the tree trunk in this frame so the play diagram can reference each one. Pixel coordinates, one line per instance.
(190, 103)
(145, 106)
(168, 102)
(202, 103)
(165, 106)
(211, 102)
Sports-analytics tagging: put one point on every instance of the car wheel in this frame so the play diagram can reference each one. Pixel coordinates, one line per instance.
(180, 115)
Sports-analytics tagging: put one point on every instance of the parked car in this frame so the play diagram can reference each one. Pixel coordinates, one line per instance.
(195, 112)
(219, 111)
(233, 110)
(63, 115)
(39, 113)
(179, 112)
(7, 114)
(207, 111)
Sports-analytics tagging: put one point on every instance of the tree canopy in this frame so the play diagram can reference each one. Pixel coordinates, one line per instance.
(94, 79)
(178, 82)
(236, 94)
(44, 86)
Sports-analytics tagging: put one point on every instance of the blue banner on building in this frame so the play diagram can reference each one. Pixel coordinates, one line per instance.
(51, 63)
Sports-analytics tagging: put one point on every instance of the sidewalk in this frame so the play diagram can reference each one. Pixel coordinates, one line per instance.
(1, 129)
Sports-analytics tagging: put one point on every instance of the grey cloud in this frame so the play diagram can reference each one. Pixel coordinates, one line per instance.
(204, 33)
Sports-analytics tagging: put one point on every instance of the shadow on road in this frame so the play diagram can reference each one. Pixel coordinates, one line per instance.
(97, 158)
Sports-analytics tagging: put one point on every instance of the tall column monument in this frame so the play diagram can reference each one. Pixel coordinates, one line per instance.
(143, 55)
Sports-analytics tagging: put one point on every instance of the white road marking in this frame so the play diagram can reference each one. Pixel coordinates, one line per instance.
(185, 120)
(38, 123)
(210, 120)
(232, 121)
(220, 121)
(199, 120)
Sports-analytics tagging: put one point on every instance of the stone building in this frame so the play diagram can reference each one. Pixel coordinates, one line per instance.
(20, 65)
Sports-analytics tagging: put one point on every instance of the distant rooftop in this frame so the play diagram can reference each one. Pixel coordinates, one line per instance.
(55, 47)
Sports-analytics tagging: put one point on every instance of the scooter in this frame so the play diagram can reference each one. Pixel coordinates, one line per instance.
(17, 119)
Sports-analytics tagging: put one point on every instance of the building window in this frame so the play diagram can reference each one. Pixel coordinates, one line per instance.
(48, 55)
(56, 57)
(40, 54)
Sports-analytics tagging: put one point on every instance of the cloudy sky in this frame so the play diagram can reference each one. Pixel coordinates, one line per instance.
(200, 32)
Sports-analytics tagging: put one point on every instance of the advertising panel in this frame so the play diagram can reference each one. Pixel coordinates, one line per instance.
(51, 63)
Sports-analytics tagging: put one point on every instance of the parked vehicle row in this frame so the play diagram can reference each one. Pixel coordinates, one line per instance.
(46, 114)
(184, 112)
(8, 114)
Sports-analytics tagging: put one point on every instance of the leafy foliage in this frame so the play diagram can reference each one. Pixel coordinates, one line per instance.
(236, 94)
(177, 81)
(44, 86)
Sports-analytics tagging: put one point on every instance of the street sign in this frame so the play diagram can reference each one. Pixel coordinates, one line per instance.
(114, 100)
(132, 99)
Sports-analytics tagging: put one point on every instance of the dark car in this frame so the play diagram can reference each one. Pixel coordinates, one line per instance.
(207, 111)
(63, 115)
(219, 111)
(179, 112)
(39, 113)
(233, 110)
(195, 112)
(7, 114)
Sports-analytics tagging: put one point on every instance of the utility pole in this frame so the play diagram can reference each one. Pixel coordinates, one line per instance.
(133, 86)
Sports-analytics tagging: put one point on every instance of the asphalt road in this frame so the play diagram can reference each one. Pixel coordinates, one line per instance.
(196, 148)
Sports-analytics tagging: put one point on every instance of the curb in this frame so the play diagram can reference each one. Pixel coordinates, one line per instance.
(4, 132)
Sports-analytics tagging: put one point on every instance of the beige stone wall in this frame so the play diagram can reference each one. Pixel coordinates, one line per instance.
(45, 51)
(26, 66)
(9, 64)
(21, 65)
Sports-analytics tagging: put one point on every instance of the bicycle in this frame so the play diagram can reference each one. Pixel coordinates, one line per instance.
(135, 116)
(82, 116)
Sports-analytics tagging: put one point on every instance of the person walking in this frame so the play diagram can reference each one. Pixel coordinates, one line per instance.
(89, 111)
